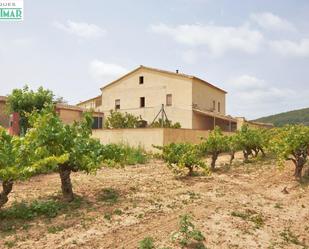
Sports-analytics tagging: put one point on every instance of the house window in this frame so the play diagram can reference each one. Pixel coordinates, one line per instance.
(142, 101)
(219, 106)
(168, 99)
(141, 80)
(213, 105)
(97, 123)
(117, 104)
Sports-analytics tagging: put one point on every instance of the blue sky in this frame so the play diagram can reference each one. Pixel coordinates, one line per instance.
(256, 50)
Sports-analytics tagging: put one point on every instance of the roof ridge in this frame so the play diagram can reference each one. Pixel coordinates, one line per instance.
(167, 71)
(163, 71)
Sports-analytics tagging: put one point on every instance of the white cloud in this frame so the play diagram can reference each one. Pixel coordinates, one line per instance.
(81, 29)
(256, 97)
(218, 39)
(189, 56)
(270, 21)
(253, 89)
(100, 70)
(247, 83)
(290, 48)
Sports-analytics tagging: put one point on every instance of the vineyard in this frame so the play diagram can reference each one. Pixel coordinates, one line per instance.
(63, 189)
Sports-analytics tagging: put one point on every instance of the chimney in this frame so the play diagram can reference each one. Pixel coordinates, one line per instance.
(177, 71)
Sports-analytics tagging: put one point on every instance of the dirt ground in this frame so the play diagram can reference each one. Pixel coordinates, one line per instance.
(151, 199)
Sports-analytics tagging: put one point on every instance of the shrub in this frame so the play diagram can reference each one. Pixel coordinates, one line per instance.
(28, 211)
(291, 143)
(146, 243)
(183, 155)
(251, 141)
(188, 234)
(9, 163)
(165, 124)
(17, 215)
(233, 146)
(215, 144)
(118, 120)
(17, 162)
(123, 154)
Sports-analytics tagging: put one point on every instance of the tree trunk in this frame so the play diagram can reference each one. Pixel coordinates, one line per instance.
(213, 161)
(7, 187)
(246, 156)
(306, 174)
(263, 152)
(232, 157)
(299, 164)
(190, 170)
(66, 185)
(298, 172)
(256, 152)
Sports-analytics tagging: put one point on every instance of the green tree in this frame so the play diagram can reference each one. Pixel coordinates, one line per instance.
(291, 143)
(19, 162)
(251, 141)
(9, 165)
(183, 155)
(233, 146)
(117, 120)
(24, 101)
(215, 144)
(50, 137)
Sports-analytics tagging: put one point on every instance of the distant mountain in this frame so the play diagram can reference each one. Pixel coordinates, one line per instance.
(300, 116)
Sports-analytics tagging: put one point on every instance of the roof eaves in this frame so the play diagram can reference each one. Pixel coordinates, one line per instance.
(111, 83)
(82, 102)
(211, 85)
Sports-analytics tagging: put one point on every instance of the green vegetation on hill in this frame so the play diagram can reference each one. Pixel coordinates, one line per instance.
(300, 116)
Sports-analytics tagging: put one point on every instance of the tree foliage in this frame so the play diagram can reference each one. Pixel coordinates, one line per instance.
(165, 124)
(183, 155)
(122, 154)
(251, 141)
(18, 162)
(50, 137)
(291, 143)
(9, 163)
(215, 144)
(233, 146)
(117, 120)
(24, 101)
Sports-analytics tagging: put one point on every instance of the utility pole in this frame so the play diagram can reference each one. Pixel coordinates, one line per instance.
(162, 116)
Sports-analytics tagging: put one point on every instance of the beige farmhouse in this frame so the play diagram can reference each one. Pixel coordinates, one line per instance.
(189, 100)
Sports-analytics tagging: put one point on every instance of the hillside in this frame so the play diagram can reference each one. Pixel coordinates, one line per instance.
(300, 116)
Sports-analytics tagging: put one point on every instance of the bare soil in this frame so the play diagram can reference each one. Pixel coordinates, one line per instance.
(151, 199)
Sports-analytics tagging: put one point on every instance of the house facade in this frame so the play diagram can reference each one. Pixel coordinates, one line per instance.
(4, 117)
(91, 104)
(67, 113)
(189, 100)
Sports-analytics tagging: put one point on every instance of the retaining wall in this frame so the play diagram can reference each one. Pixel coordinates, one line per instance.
(146, 137)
